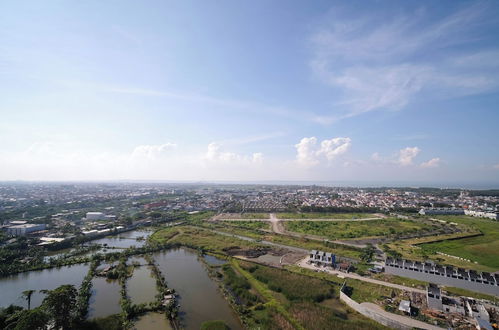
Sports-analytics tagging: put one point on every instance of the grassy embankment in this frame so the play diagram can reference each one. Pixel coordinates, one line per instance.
(357, 229)
(253, 225)
(247, 216)
(254, 215)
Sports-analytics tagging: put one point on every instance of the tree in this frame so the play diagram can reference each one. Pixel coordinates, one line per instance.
(61, 305)
(368, 253)
(35, 319)
(9, 315)
(27, 295)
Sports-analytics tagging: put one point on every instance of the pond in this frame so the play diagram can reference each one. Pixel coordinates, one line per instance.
(142, 286)
(11, 287)
(199, 296)
(214, 261)
(105, 299)
(124, 240)
(154, 321)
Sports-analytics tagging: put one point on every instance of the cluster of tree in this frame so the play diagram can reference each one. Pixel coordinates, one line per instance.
(490, 192)
(239, 287)
(406, 209)
(85, 291)
(19, 256)
(367, 254)
(59, 310)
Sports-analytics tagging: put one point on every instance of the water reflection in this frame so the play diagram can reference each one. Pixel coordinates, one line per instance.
(105, 298)
(151, 321)
(200, 299)
(141, 286)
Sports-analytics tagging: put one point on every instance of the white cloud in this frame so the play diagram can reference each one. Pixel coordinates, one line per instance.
(216, 155)
(257, 158)
(489, 58)
(308, 153)
(376, 157)
(406, 155)
(334, 147)
(380, 63)
(434, 162)
(152, 152)
(305, 151)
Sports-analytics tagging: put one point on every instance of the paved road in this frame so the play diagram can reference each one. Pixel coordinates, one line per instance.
(410, 322)
(303, 263)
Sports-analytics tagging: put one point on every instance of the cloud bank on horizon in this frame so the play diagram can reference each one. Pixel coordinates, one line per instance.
(193, 91)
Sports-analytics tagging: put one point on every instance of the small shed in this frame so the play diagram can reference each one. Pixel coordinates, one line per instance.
(405, 306)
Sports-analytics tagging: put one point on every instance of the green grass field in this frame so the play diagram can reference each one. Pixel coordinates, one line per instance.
(482, 249)
(317, 215)
(357, 229)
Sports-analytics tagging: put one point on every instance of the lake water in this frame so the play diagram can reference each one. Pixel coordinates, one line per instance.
(11, 287)
(199, 297)
(214, 261)
(152, 321)
(105, 299)
(142, 286)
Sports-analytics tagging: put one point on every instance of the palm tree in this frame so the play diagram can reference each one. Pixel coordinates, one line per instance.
(27, 295)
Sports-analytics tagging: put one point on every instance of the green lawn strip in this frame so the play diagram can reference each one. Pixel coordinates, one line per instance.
(255, 216)
(247, 224)
(467, 293)
(266, 293)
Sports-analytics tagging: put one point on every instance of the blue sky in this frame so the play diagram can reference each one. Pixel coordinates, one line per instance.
(250, 90)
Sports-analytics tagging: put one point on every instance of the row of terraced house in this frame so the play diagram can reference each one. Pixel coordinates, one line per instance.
(445, 275)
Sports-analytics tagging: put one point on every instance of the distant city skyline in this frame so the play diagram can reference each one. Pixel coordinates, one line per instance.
(329, 91)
